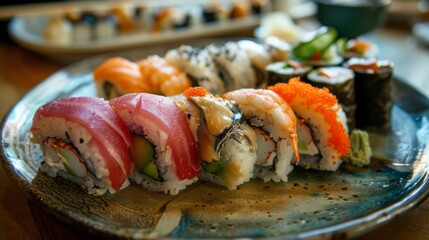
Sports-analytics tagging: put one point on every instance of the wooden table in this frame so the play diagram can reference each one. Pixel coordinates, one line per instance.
(20, 70)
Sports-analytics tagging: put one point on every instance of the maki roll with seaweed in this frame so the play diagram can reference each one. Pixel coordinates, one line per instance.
(164, 150)
(359, 48)
(340, 82)
(85, 141)
(373, 86)
(274, 124)
(281, 72)
(322, 128)
(226, 143)
(319, 49)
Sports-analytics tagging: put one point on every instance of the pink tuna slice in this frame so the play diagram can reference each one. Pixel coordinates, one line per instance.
(163, 113)
(110, 135)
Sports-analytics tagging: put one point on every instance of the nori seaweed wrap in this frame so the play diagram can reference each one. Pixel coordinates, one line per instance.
(340, 82)
(373, 86)
(281, 72)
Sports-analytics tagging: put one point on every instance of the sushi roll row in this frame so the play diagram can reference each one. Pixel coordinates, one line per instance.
(81, 27)
(165, 143)
(216, 67)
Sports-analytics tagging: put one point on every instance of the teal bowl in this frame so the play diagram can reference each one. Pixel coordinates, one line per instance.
(351, 18)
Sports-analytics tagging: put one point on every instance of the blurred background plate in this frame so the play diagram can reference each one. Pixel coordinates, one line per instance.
(34, 41)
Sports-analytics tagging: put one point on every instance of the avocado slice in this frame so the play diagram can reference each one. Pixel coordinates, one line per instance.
(143, 155)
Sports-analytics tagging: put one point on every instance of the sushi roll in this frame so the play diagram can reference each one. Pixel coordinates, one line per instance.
(234, 65)
(162, 77)
(198, 64)
(226, 144)
(164, 150)
(320, 49)
(340, 82)
(84, 140)
(106, 27)
(260, 7)
(322, 123)
(281, 72)
(215, 13)
(58, 31)
(259, 58)
(142, 18)
(359, 48)
(124, 16)
(117, 76)
(274, 124)
(373, 86)
(169, 18)
(241, 9)
(84, 29)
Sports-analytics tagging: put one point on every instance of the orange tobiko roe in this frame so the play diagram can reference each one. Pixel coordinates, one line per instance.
(323, 102)
(195, 92)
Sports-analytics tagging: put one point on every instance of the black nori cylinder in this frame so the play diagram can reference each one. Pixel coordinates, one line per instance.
(344, 91)
(373, 95)
(281, 72)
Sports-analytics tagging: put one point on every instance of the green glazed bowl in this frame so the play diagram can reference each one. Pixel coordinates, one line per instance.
(351, 18)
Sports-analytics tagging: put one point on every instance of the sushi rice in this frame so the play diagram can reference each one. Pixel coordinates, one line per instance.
(97, 181)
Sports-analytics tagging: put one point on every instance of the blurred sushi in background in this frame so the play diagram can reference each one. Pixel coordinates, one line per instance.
(101, 23)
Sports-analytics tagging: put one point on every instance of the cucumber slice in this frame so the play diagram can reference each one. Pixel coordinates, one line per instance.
(324, 37)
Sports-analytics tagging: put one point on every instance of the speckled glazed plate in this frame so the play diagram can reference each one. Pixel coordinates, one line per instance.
(313, 204)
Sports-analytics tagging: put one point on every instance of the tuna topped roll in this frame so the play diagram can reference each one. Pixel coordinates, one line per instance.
(373, 86)
(84, 140)
(163, 162)
(340, 82)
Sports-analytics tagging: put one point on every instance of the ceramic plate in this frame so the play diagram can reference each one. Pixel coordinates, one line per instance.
(313, 204)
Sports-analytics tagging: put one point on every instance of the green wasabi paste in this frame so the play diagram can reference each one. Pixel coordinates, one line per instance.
(360, 150)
